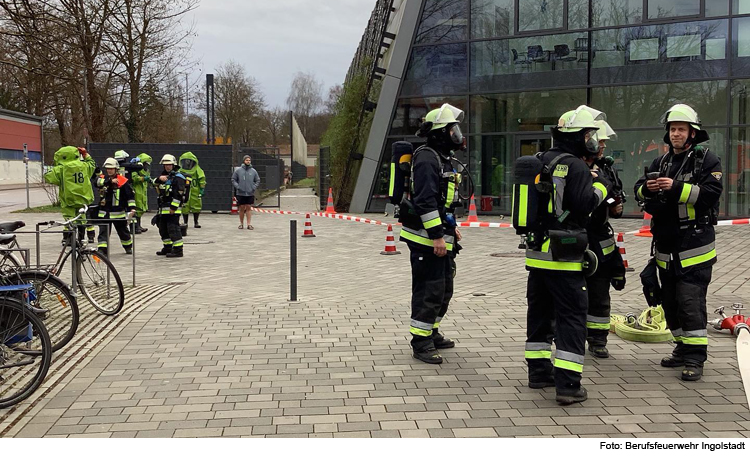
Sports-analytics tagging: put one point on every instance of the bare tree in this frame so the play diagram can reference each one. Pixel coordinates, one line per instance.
(305, 98)
(334, 94)
(277, 124)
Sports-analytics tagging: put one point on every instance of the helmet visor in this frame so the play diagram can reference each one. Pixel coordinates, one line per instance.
(187, 164)
(456, 136)
(592, 141)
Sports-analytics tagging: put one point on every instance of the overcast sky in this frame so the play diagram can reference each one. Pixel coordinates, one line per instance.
(274, 39)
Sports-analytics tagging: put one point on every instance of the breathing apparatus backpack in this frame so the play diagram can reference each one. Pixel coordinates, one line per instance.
(532, 191)
(400, 172)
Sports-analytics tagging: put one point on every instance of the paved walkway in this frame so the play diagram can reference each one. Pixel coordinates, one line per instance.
(221, 352)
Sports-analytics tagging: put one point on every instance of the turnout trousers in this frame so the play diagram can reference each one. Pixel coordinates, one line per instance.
(123, 232)
(431, 293)
(169, 230)
(597, 320)
(557, 307)
(684, 303)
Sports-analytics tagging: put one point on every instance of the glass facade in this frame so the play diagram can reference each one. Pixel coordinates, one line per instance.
(515, 66)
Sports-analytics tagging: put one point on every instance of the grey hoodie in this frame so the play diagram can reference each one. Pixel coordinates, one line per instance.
(245, 180)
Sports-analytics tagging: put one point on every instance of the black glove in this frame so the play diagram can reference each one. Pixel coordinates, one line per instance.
(618, 283)
(155, 220)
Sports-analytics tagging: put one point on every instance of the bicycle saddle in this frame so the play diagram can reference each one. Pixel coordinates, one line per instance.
(6, 239)
(7, 227)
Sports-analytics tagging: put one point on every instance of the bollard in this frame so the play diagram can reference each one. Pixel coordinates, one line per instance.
(293, 259)
(132, 235)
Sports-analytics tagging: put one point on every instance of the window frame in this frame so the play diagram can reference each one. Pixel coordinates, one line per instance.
(536, 32)
(645, 19)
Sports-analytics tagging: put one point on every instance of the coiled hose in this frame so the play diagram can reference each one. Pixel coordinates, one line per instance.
(649, 327)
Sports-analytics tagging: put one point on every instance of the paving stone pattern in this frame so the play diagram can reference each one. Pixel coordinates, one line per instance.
(226, 354)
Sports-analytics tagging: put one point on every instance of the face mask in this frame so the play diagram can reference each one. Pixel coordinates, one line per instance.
(592, 145)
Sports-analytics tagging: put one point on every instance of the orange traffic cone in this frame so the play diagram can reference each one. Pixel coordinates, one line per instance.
(621, 248)
(329, 205)
(645, 230)
(390, 243)
(308, 228)
(472, 211)
(235, 209)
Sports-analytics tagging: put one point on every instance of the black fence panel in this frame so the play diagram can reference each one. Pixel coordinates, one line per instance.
(299, 172)
(324, 175)
(215, 160)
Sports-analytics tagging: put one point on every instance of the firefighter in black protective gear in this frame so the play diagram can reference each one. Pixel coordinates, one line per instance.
(681, 190)
(611, 268)
(556, 291)
(171, 188)
(429, 230)
(116, 203)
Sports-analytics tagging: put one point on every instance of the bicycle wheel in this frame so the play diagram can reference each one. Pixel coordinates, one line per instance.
(100, 282)
(21, 372)
(9, 259)
(54, 297)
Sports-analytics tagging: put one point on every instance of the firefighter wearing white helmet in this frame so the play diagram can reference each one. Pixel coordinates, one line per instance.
(611, 268)
(565, 194)
(172, 190)
(681, 190)
(116, 203)
(429, 229)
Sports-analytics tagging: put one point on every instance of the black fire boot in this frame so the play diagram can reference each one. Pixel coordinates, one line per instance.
(129, 250)
(195, 221)
(183, 229)
(571, 395)
(104, 251)
(424, 350)
(599, 351)
(441, 342)
(673, 361)
(164, 251)
(91, 236)
(692, 373)
(176, 252)
(542, 377)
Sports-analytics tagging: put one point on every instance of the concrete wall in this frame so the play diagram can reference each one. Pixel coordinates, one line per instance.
(13, 172)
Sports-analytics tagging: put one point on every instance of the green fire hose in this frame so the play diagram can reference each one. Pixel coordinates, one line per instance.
(649, 327)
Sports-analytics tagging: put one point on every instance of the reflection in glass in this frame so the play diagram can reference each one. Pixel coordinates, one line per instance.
(443, 21)
(491, 18)
(741, 7)
(524, 111)
(717, 8)
(578, 14)
(737, 173)
(741, 102)
(642, 106)
(435, 70)
(650, 53)
(537, 15)
(617, 12)
(742, 28)
(411, 111)
(492, 61)
(672, 8)
(491, 163)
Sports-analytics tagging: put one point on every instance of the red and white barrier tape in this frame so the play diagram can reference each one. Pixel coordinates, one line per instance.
(739, 221)
(484, 225)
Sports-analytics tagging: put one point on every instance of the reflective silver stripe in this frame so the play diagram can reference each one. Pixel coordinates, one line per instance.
(695, 191)
(678, 333)
(599, 194)
(438, 319)
(535, 346)
(421, 325)
(695, 333)
(660, 256)
(682, 211)
(572, 357)
(697, 251)
(430, 216)
(560, 184)
(597, 320)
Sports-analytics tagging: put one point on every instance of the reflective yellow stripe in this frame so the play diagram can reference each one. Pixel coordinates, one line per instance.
(609, 250)
(694, 340)
(423, 241)
(451, 194)
(420, 332)
(661, 264)
(571, 366)
(698, 259)
(167, 242)
(602, 190)
(117, 215)
(102, 245)
(640, 193)
(127, 243)
(685, 194)
(538, 354)
(523, 205)
(552, 265)
(595, 326)
(392, 186)
(436, 325)
(177, 243)
(432, 223)
(691, 211)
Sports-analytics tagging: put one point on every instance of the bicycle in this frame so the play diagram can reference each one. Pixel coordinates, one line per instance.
(25, 346)
(94, 271)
